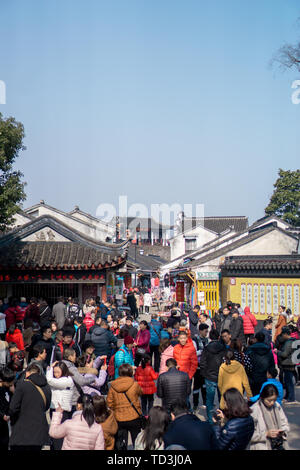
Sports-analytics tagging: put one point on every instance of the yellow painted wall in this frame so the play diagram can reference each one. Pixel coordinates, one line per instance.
(211, 292)
(265, 288)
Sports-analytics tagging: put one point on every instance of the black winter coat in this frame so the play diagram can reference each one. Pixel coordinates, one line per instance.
(237, 330)
(103, 340)
(236, 434)
(173, 385)
(190, 432)
(211, 359)
(262, 361)
(193, 318)
(28, 412)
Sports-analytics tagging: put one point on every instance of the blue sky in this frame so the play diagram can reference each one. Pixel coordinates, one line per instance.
(163, 101)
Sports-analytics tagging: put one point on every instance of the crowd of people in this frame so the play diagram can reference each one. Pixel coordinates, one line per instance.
(87, 377)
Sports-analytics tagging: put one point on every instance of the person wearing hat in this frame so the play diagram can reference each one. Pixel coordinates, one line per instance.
(124, 354)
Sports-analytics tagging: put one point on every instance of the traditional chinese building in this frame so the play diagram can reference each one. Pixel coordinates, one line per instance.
(262, 282)
(47, 258)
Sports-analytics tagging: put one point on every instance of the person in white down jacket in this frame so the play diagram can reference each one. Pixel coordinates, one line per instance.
(62, 387)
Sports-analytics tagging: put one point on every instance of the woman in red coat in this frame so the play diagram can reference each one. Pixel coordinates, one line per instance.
(145, 376)
(14, 335)
(250, 323)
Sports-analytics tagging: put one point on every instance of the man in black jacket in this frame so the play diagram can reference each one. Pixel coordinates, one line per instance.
(262, 360)
(223, 320)
(194, 319)
(211, 359)
(187, 430)
(173, 385)
(27, 411)
(236, 327)
(102, 338)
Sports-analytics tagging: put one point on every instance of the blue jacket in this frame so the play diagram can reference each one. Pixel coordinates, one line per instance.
(236, 434)
(122, 356)
(155, 337)
(274, 382)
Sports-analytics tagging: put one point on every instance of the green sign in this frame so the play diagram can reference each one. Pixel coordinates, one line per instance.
(209, 276)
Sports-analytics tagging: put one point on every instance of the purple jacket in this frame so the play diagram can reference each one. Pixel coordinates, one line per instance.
(143, 339)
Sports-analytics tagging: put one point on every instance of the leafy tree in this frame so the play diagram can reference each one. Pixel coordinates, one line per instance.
(285, 200)
(11, 187)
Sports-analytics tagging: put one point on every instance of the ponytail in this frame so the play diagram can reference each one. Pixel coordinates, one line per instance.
(229, 355)
(88, 412)
(145, 360)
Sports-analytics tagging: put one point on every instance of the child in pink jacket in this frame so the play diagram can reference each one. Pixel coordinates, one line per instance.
(81, 432)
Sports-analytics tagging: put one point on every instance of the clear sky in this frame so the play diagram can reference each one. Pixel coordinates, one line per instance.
(165, 101)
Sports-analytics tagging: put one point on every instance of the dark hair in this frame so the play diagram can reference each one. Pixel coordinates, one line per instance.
(155, 428)
(87, 344)
(229, 356)
(38, 349)
(225, 331)
(64, 369)
(236, 405)
(45, 327)
(12, 345)
(238, 305)
(88, 412)
(267, 322)
(7, 375)
(125, 370)
(203, 326)
(145, 323)
(33, 368)
(164, 344)
(214, 334)
(173, 313)
(12, 329)
(145, 360)
(260, 337)
(100, 409)
(171, 362)
(178, 407)
(236, 345)
(81, 361)
(197, 307)
(268, 391)
(68, 332)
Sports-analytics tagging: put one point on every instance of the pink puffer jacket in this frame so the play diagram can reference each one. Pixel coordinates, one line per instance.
(76, 432)
(167, 354)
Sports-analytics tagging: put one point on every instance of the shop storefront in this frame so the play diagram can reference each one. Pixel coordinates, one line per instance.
(262, 283)
(208, 291)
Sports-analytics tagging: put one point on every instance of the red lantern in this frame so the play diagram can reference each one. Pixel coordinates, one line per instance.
(71, 276)
(26, 277)
(1, 278)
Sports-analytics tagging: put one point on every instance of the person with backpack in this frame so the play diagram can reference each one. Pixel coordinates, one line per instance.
(73, 311)
(17, 357)
(81, 432)
(123, 356)
(102, 338)
(45, 312)
(155, 328)
(145, 377)
(80, 331)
